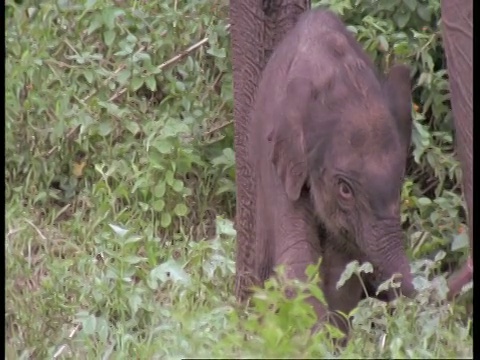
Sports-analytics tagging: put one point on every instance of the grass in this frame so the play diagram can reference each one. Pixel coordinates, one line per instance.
(119, 200)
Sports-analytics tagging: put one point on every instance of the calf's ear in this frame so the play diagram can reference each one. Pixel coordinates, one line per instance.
(398, 89)
(288, 138)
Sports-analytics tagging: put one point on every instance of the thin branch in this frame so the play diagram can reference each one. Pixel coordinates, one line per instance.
(220, 127)
(36, 229)
(172, 60)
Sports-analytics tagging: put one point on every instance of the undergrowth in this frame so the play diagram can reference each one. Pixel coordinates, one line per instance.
(120, 184)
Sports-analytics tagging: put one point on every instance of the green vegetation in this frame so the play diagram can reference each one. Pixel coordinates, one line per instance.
(120, 189)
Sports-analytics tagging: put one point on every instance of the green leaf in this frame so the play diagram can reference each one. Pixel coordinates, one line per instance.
(95, 24)
(118, 230)
(169, 177)
(165, 220)
(180, 86)
(89, 324)
(109, 37)
(170, 270)
(151, 83)
(159, 205)
(460, 241)
(224, 227)
(219, 53)
(123, 76)
(136, 83)
(164, 146)
(180, 210)
(156, 158)
(366, 267)
(440, 256)
(134, 301)
(159, 189)
(177, 185)
(383, 43)
(424, 12)
(350, 269)
(89, 76)
(89, 4)
(411, 4)
(424, 201)
(402, 18)
(105, 128)
(133, 127)
(102, 329)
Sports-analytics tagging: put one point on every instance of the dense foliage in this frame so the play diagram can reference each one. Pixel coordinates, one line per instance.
(119, 159)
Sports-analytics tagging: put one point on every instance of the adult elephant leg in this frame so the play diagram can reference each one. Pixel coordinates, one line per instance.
(457, 19)
(256, 27)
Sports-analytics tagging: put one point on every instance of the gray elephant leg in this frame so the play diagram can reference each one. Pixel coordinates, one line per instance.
(257, 26)
(299, 246)
(457, 22)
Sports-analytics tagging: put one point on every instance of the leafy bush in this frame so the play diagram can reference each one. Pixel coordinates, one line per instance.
(119, 157)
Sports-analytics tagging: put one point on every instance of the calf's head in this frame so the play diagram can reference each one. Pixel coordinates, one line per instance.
(347, 144)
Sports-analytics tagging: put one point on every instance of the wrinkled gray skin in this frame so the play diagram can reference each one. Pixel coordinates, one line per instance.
(457, 26)
(256, 29)
(329, 140)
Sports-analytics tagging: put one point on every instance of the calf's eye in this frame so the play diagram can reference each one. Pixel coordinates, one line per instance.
(344, 190)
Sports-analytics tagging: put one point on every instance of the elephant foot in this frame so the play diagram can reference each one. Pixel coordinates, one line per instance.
(459, 279)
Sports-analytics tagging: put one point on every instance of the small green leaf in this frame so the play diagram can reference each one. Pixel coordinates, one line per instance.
(350, 269)
(109, 37)
(424, 12)
(151, 83)
(165, 220)
(95, 24)
(402, 18)
(89, 324)
(123, 76)
(159, 205)
(156, 157)
(383, 43)
(440, 256)
(159, 189)
(411, 4)
(134, 301)
(224, 227)
(136, 83)
(220, 53)
(164, 147)
(366, 267)
(104, 128)
(460, 241)
(102, 329)
(169, 177)
(89, 76)
(170, 270)
(133, 127)
(424, 201)
(180, 210)
(180, 86)
(118, 230)
(177, 185)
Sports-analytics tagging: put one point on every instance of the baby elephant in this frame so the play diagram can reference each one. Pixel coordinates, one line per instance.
(329, 139)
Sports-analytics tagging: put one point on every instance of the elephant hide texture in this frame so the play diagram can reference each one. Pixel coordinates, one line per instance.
(329, 138)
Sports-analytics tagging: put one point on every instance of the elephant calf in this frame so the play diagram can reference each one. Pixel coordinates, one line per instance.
(328, 140)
